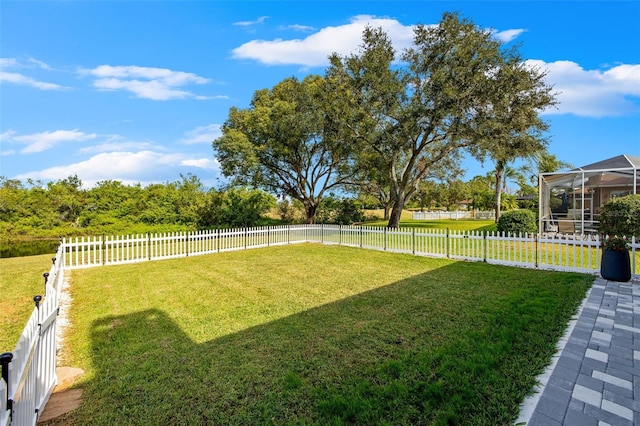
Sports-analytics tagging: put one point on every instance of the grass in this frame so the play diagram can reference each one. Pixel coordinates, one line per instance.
(312, 334)
(20, 279)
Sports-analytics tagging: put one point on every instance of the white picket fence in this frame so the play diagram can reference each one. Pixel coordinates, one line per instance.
(455, 215)
(29, 372)
(575, 253)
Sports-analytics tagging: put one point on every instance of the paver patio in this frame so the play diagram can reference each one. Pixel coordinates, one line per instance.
(595, 379)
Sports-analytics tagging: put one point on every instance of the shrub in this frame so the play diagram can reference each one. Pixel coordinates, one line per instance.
(340, 211)
(621, 216)
(518, 222)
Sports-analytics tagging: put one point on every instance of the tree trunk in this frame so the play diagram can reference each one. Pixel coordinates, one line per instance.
(396, 213)
(310, 210)
(386, 212)
(498, 198)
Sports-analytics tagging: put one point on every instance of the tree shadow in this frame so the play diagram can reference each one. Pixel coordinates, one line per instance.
(412, 352)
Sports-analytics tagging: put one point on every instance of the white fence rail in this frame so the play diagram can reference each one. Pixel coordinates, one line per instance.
(460, 214)
(29, 372)
(575, 253)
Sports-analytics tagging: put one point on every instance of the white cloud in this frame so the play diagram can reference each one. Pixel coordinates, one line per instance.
(593, 93)
(114, 144)
(202, 163)
(344, 39)
(202, 134)
(172, 78)
(314, 49)
(507, 35)
(260, 20)
(16, 78)
(155, 90)
(24, 63)
(19, 78)
(38, 64)
(38, 142)
(128, 167)
(297, 27)
(145, 82)
(8, 62)
(7, 135)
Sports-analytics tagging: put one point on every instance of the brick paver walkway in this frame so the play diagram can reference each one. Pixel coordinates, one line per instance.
(596, 377)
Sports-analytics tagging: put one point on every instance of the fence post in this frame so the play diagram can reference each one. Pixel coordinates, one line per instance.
(413, 241)
(535, 245)
(36, 357)
(5, 359)
(385, 238)
(484, 245)
(46, 278)
(447, 243)
(360, 236)
(103, 247)
(187, 244)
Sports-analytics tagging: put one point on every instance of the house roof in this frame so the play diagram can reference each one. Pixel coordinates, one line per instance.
(615, 171)
(619, 162)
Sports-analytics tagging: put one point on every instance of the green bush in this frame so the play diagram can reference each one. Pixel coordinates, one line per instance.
(340, 211)
(621, 216)
(518, 222)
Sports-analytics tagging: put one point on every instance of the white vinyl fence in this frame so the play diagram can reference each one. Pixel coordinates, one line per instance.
(460, 214)
(29, 372)
(575, 253)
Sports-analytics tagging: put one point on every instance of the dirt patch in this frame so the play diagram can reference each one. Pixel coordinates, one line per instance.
(63, 399)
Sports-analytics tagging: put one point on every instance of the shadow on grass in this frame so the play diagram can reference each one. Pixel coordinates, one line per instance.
(423, 350)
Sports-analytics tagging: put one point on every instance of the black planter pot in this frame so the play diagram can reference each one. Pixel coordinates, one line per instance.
(615, 265)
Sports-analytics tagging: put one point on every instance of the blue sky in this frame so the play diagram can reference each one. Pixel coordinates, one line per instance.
(136, 91)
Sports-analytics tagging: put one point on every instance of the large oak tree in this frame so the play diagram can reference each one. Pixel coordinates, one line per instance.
(287, 143)
(455, 90)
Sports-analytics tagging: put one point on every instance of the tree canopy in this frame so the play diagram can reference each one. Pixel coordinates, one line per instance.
(455, 90)
(287, 143)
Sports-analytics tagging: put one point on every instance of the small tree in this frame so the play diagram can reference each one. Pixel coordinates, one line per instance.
(621, 216)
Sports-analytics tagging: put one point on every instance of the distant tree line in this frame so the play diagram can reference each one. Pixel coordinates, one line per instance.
(63, 207)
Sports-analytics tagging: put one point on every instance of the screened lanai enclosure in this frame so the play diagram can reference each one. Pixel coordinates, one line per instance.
(570, 201)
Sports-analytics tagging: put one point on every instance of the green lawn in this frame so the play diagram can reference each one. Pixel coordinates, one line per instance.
(20, 279)
(312, 334)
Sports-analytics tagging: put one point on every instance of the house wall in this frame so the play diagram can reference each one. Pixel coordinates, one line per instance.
(617, 191)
